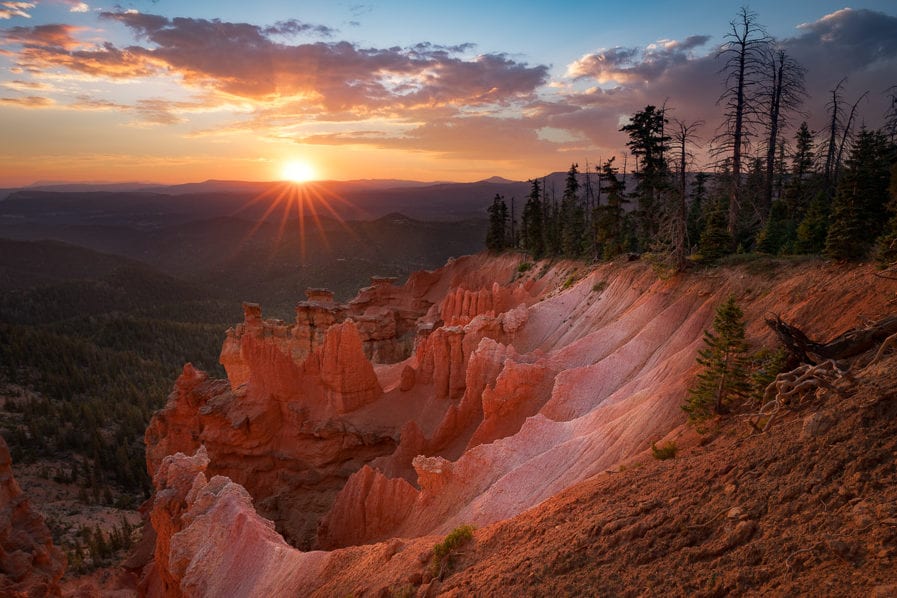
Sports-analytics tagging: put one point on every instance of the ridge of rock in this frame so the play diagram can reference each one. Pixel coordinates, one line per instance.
(506, 398)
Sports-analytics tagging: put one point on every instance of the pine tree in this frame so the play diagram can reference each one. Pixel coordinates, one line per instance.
(533, 233)
(859, 210)
(724, 359)
(573, 224)
(497, 233)
(609, 230)
(813, 228)
(887, 243)
(715, 240)
(649, 144)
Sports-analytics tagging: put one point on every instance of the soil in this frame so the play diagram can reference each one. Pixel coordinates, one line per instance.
(807, 508)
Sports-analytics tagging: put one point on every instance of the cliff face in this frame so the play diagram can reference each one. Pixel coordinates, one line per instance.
(304, 406)
(508, 389)
(29, 563)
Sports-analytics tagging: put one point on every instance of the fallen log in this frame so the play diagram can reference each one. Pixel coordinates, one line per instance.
(844, 346)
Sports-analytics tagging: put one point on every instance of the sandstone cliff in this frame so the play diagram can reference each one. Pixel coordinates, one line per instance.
(513, 388)
(29, 563)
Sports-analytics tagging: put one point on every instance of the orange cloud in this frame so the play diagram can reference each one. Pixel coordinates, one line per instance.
(243, 60)
(9, 10)
(28, 102)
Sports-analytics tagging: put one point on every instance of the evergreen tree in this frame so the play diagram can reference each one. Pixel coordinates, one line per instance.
(777, 236)
(497, 233)
(715, 241)
(859, 209)
(813, 228)
(887, 244)
(609, 230)
(724, 359)
(573, 224)
(533, 235)
(649, 144)
(551, 222)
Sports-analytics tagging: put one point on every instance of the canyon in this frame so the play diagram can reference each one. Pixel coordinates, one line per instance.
(343, 445)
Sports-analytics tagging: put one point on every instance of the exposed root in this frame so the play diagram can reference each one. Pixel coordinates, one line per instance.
(887, 344)
(797, 383)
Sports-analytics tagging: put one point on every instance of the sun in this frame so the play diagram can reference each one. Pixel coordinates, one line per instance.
(298, 171)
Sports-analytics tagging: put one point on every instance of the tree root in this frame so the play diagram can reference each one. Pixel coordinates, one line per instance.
(797, 383)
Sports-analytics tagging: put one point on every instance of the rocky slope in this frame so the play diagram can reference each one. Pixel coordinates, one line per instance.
(29, 563)
(490, 392)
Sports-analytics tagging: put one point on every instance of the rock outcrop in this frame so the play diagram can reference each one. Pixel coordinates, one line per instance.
(511, 393)
(30, 565)
(211, 542)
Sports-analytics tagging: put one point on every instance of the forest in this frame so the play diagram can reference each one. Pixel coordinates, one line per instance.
(86, 357)
(764, 182)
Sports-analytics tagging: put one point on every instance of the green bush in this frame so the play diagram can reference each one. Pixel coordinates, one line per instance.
(599, 286)
(667, 451)
(525, 267)
(444, 552)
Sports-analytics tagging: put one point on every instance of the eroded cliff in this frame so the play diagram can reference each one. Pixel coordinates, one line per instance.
(508, 388)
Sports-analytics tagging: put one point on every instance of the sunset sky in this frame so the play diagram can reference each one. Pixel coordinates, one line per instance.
(173, 91)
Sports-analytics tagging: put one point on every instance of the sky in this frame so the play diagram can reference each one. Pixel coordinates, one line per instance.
(170, 91)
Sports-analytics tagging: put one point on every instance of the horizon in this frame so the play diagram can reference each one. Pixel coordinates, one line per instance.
(217, 91)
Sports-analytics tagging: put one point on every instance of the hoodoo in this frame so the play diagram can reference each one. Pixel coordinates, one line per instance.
(501, 389)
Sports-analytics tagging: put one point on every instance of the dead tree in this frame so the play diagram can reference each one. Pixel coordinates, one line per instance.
(784, 92)
(744, 50)
(683, 135)
(847, 345)
(835, 109)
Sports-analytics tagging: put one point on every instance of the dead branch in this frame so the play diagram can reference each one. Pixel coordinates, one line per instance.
(844, 346)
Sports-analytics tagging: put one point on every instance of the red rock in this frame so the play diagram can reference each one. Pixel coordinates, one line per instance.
(348, 377)
(30, 565)
(367, 510)
(409, 375)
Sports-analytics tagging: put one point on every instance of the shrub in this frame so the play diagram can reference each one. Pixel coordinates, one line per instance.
(569, 282)
(525, 267)
(667, 451)
(599, 286)
(444, 552)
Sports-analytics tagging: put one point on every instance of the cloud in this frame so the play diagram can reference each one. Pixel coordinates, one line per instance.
(294, 27)
(858, 44)
(9, 10)
(28, 102)
(79, 7)
(847, 40)
(629, 65)
(240, 59)
(42, 36)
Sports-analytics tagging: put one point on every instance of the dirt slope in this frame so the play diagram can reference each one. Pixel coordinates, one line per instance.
(809, 508)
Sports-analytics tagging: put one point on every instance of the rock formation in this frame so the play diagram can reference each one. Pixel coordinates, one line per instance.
(29, 563)
(489, 392)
